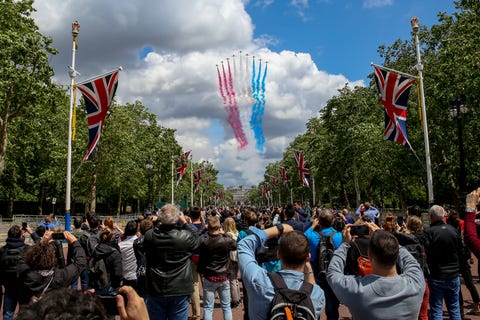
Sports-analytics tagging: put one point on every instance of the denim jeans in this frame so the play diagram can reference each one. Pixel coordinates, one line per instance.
(447, 289)
(223, 289)
(168, 308)
(83, 280)
(9, 305)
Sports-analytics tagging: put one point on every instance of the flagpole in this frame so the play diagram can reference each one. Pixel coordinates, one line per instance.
(173, 188)
(191, 181)
(73, 74)
(313, 190)
(415, 26)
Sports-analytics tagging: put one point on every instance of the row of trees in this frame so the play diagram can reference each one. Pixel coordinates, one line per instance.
(34, 129)
(344, 145)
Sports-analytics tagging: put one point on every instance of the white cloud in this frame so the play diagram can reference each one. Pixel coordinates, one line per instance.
(178, 80)
(377, 3)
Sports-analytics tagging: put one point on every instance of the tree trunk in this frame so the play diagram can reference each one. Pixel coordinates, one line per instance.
(119, 203)
(358, 198)
(3, 142)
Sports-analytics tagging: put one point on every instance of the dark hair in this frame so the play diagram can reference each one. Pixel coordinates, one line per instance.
(77, 222)
(289, 211)
(93, 220)
(106, 235)
(195, 213)
(293, 249)
(15, 232)
(40, 256)
(64, 303)
(250, 218)
(383, 246)
(131, 228)
(40, 231)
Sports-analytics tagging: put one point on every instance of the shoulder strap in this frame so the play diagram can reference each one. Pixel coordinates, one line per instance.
(306, 287)
(358, 248)
(277, 280)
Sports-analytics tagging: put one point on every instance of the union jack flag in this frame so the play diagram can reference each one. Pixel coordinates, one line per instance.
(394, 90)
(274, 181)
(283, 174)
(302, 168)
(197, 177)
(182, 165)
(266, 191)
(98, 95)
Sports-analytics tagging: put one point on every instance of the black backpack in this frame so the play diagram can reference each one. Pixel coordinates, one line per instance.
(325, 252)
(289, 304)
(98, 275)
(418, 252)
(10, 259)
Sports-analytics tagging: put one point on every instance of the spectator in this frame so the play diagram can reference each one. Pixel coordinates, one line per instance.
(10, 256)
(168, 249)
(129, 262)
(110, 223)
(290, 214)
(56, 244)
(300, 213)
(214, 265)
(48, 224)
(444, 281)
(368, 212)
(232, 232)
(108, 251)
(293, 253)
(78, 232)
(145, 225)
(322, 227)
(470, 233)
(384, 294)
(198, 224)
(76, 305)
(38, 274)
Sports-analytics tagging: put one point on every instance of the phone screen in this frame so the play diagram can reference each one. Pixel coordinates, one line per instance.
(58, 236)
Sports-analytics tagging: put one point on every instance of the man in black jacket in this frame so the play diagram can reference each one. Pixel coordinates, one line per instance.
(443, 262)
(168, 251)
(214, 265)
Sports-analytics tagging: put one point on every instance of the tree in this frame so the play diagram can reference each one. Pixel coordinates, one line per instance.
(25, 74)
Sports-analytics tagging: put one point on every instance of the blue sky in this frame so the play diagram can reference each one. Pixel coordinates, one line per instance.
(342, 36)
(169, 51)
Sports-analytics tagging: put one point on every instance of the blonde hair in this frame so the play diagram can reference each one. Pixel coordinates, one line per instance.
(230, 226)
(389, 222)
(414, 224)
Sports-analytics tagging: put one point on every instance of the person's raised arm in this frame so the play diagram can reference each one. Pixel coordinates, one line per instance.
(470, 229)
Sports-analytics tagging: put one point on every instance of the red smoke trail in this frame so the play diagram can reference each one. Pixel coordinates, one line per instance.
(220, 87)
(234, 114)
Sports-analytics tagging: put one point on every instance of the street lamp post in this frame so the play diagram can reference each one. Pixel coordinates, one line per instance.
(457, 111)
(149, 167)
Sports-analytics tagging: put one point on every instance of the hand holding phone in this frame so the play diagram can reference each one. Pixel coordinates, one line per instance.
(58, 236)
(24, 226)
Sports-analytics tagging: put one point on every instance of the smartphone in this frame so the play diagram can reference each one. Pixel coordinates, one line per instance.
(58, 236)
(24, 226)
(110, 303)
(399, 221)
(359, 230)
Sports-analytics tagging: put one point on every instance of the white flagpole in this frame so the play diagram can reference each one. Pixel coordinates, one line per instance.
(73, 74)
(173, 187)
(313, 190)
(191, 180)
(415, 27)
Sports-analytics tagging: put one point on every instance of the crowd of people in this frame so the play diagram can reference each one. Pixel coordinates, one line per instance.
(309, 260)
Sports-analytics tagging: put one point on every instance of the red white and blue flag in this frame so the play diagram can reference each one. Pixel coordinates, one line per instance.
(98, 95)
(283, 174)
(197, 178)
(182, 166)
(266, 190)
(394, 90)
(274, 181)
(302, 168)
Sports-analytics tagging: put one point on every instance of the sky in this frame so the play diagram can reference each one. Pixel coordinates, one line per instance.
(170, 50)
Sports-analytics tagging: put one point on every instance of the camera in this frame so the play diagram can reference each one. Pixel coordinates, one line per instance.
(110, 302)
(359, 230)
(58, 236)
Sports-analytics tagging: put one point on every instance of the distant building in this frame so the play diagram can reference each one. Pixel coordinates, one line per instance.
(239, 193)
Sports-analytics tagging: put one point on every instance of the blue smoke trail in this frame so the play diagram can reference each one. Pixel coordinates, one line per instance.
(258, 108)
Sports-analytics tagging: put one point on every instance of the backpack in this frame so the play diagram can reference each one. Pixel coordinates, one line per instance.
(325, 252)
(97, 273)
(88, 241)
(289, 304)
(364, 265)
(417, 250)
(10, 259)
